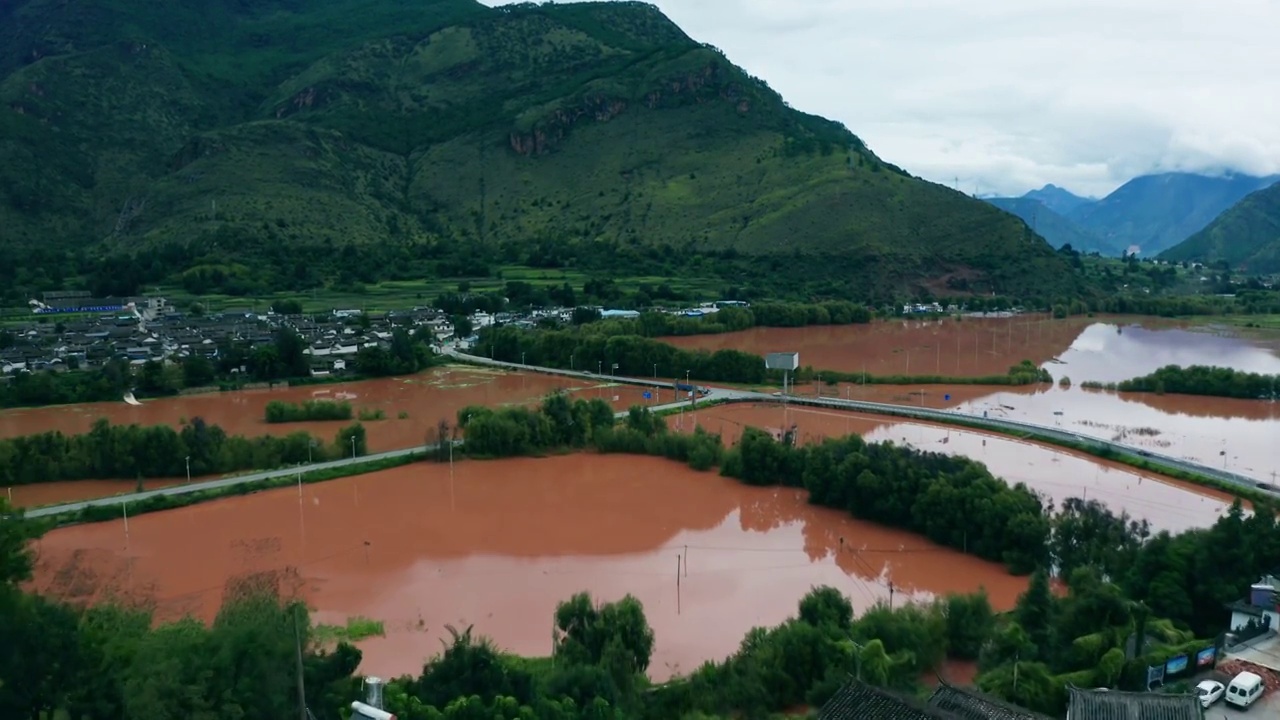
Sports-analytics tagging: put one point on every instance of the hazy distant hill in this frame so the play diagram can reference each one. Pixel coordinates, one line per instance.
(1247, 236)
(1053, 227)
(1057, 199)
(1156, 212)
(241, 146)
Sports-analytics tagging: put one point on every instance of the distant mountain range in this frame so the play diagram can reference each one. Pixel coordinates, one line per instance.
(1247, 236)
(1152, 213)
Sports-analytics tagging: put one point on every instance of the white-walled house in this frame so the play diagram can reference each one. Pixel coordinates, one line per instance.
(1263, 603)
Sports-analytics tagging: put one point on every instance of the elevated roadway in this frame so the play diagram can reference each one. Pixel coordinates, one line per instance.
(720, 395)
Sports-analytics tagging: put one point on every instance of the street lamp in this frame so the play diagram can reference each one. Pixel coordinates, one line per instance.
(614, 370)
(353, 446)
(599, 367)
(522, 358)
(571, 362)
(655, 371)
(188, 468)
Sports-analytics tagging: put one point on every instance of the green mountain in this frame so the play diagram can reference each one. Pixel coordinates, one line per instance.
(281, 144)
(1053, 227)
(1058, 199)
(1156, 212)
(1247, 236)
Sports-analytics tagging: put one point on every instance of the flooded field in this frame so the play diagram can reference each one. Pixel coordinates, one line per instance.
(52, 493)
(424, 399)
(1081, 348)
(499, 543)
(1057, 474)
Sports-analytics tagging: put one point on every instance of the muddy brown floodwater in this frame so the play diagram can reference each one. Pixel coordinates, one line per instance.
(970, 347)
(1237, 435)
(425, 398)
(1083, 348)
(1055, 473)
(502, 542)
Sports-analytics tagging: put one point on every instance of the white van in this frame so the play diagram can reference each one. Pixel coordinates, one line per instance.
(1244, 690)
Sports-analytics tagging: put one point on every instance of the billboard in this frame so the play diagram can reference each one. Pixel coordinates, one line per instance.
(1206, 656)
(788, 361)
(1175, 665)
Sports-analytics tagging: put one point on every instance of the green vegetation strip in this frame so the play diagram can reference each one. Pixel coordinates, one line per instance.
(357, 628)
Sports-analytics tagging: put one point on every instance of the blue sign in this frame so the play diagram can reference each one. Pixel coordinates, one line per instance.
(1175, 665)
(1155, 674)
(648, 395)
(947, 397)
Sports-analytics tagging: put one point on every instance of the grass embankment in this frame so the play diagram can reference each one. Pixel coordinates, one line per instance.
(156, 503)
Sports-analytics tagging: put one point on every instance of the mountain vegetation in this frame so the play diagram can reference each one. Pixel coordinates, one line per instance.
(1054, 227)
(1156, 212)
(1151, 212)
(240, 147)
(1246, 237)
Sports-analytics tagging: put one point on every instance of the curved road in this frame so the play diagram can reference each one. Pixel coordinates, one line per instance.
(183, 489)
(913, 412)
(723, 395)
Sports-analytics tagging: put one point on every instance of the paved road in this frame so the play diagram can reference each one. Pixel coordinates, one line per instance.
(914, 412)
(258, 476)
(910, 412)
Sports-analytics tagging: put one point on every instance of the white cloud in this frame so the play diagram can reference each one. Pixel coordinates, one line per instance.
(1008, 95)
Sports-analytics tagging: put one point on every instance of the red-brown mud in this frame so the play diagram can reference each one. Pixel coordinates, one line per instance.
(502, 542)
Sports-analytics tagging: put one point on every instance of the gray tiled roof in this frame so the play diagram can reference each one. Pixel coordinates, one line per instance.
(974, 705)
(858, 701)
(1117, 705)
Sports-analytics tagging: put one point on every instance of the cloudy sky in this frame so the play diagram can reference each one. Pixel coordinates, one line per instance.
(1008, 95)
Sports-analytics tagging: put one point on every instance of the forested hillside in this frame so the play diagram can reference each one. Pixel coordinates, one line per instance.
(240, 147)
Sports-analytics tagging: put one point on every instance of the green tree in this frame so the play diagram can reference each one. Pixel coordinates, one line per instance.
(1036, 612)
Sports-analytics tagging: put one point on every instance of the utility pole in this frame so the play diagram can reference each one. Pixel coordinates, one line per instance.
(297, 642)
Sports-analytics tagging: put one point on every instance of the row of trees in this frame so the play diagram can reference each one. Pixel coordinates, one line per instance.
(1159, 593)
(732, 319)
(951, 500)
(604, 347)
(1163, 592)
(134, 451)
(279, 411)
(559, 423)
(1200, 380)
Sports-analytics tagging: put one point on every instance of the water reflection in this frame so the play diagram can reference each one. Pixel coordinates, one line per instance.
(517, 537)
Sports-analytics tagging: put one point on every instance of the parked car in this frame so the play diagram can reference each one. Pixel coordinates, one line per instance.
(1245, 689)
(1209, 692)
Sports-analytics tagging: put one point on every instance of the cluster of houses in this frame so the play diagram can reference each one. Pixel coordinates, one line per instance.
(69, 333)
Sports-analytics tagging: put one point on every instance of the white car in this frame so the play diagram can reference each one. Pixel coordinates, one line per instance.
(1209, 692)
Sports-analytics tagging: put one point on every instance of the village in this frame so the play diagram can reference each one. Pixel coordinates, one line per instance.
(72, 331)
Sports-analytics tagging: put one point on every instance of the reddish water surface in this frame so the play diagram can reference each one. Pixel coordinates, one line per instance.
(962, 348)
(1055, 473)
(1081, 348)
(502, 542)
(28, 496)
(426, 398)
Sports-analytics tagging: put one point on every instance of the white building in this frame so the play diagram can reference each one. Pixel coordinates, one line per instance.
(1263, 604)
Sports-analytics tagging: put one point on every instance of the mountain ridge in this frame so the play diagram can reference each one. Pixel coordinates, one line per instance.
(217, 144)
(1150, 212)
(1246, 236)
